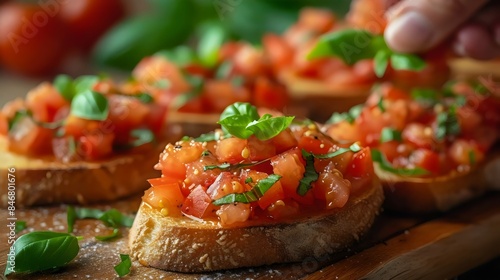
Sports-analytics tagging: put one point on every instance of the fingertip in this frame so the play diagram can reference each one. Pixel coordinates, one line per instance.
(410, 32)
(476, 42)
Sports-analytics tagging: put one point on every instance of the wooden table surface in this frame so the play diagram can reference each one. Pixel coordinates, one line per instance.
(397, 247)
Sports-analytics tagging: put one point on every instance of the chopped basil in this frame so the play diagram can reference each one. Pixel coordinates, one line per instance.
(143, 97)
(349, 116)
(224, 70)
(252, 195)
(113, 235)
(20, 225)
(19, 115)
(42, 250)
(111, 218)
(426, 96)
(123, 268)
(242, 120)
(197, 84)
(90, 105)
(388, 134)
(64, 85)
(69, 88)
(310, 174)
(227, 166)
(142, 136)
(353, 148)
(162, 83)
(211, 40)
(472, 157)
(353, 45)
(447, 124)
(180, 55)
(380, 104)
(407, 62)
(384, 164)
(380, 62)
(248, 180)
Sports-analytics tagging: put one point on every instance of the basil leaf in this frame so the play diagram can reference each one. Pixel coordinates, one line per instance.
(197, 84)
(384, 164)
(380, 62)
(240, 108)
(447, 124)
(426, 96)
(162, 84)
(20, 226)
(42, 250)
(353, 148)
(235, 118)
(180, 55)
(349, 116)
(380, 104)
(472, 159)
(224, 70)
(115, 234)
(111, 218)
(252, 195)
(267, 126)
(123, 268)
(90, 105)
(407, 62)
(350, 45)
(388, 134)
(64, 85)
(18, 116)
(211, 41)
(142, 136)
(85, 83)
(227, 166)
(310, 174)
(143, 97)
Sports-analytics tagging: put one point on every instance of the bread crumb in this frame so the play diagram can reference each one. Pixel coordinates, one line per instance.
(203, 258)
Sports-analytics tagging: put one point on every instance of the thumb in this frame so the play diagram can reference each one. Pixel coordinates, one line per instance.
(418, 25)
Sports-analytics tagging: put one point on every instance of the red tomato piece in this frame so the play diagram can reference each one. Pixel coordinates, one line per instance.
(27, 138)
(269, 94)
(332, 188)
(44, 102)
(197, 203)
(232, 150)
(32, 40)
(167, 196)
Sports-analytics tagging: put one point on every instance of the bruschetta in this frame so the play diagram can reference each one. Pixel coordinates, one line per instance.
(80, 140)
(258, 191)
(433, 149)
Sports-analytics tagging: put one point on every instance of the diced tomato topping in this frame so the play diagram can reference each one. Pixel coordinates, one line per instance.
(315, 143)
(332, 188)
(167, 196)
(27, 138)
(173, 159)
(197, 204)
(232, 150)
(269, 94)
(44, 102)
(426, 159)
(4, 124)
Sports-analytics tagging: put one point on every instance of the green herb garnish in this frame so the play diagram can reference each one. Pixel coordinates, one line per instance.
(472, 158)
(242, 120)
(447, 124)
(388, 134)
(349, 116)
(310, 174)
(90, 105)
(113, 235)
(252, 195)
(197, 84)
(180, 55)
(353, 45)
(42, 250)
(384, 164)
(69, 88)
(227, 166)
(141, 137)
(20, 225)
(353, 148)
(123, 268)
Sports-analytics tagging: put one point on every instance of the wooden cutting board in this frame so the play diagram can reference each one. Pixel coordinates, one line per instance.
(397, 247)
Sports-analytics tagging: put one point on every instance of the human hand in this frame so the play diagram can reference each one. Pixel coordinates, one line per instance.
(419, 25)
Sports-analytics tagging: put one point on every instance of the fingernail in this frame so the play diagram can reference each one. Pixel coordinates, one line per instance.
(409, 32)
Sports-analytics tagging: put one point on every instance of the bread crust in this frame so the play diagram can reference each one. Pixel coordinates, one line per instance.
(46, 181)
(185, 245)
(439, 194)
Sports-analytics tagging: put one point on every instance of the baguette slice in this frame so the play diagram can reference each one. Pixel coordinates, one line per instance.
(41, 181)
(439, 194)
(186, 245)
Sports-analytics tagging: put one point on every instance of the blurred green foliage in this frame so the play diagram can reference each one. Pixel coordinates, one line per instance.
(174, 22)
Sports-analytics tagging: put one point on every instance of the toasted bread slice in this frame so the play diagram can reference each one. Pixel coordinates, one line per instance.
(186, 245)
(40, 181)
(439, 194)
